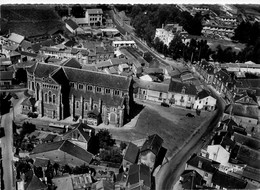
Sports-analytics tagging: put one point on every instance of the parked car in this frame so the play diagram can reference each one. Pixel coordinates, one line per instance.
(165, 104)
(190, 115)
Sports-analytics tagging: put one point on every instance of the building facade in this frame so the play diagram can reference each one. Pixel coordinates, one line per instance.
(65, 91)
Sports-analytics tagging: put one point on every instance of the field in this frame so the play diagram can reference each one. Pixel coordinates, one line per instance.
(170, 123)
(29, 20)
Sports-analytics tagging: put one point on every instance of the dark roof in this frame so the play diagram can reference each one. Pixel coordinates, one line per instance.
(41, 162)
(209, 166)
(29, 102)
(82, 127)
(94, 11)
(227, 181)
(50, 137)
(26, 44)
(70, 43)
(223, 76)
(59, 76)
(242, 110)
(98, 78)
(230, 122)
(177, 87)
(137, 173)
(24, 53)
(25, 64)
(247, 141)
(35, 184)
(207, 67)
(203, 94)
(131, 153)
(44, 70)
(249, 156)
(160, 87)
(251, 173)
(72, 24)
(244, 98)
(153, 70)
(72, 62)
(37, 46)
(6, 75)
(65, 146)
(153, 143)
(190, 179)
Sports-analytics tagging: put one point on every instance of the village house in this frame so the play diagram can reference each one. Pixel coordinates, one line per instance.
(182, 94)
(94, 17)
(15, 38)
(81, 135)
(205, 101)
(63, 152)
(130, 155)
(149, 152)
(63, 91)
(205, 167)
(152, 91)
(28, 105)
(6, 78)
(191, 179)
(32, 182)
(226, 31)
(139, 176)
(104, 53)
(73, 27)
(206, 70)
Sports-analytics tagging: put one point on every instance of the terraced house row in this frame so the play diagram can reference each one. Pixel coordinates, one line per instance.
(61, 91)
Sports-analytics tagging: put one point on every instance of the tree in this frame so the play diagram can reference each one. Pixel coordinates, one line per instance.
(77, 11)
(176, 47)
(148, 57)
(105, 139)
(21, 75)
(28, 128)
(111, 155)
(123, 146)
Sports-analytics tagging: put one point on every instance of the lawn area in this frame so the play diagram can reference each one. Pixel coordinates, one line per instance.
(170, 123)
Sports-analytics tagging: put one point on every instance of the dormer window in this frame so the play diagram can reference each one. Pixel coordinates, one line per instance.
(90, 88)
(80, 86)
(116, 92)
(183, 90)
(98, 89)
(107, 91)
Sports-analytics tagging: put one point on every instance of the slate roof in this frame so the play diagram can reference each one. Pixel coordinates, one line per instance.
(65, 146)
(153, 70)
(137, 173)
(26, 44)
(228, 181)
(16, 38)
(176, 87)
(24, 53)
(37, 46)
(94, 11)
(44, 70)
(72, 62)
(97, 78)
(153, 144)
(70, 43)
(59, 76)
(161, 87)
(209, 166)
(249, 156)
(190, 179)
(81, 127)
(41, 162)
(50, 137)
(242, 110)
(72, 24)
(247, 141)
(131, 153)
(29, 102)
(251, 173)
(223, 76)
(35, 184)
(6, 75)
(244, 98)
(203, 94)
(230, 122)
(207, 67)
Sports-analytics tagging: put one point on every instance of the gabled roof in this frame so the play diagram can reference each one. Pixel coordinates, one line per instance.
(60, 76)
(247, 141)
(251, 173)
(191, 179)
(41, 162)
(230, 122)
(131, 153)
(223, 76)
(242, 110)
(160, 87)
(65, 146)
(138, 173)
(72, 62)
(72, 24)
(249, 156)
(94, 11)
(227, 181)
(207, 165)
(177, 87)
(16, 38)
(26, 44)
(29, 102)
(203, 94)
(244, 98)
(153, 144)
(35, 184)
(207, 67)
(44, 70)
(6, 75)
(83, 129)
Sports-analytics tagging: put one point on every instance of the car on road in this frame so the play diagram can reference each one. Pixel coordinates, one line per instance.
(165, 104)
(190, 115)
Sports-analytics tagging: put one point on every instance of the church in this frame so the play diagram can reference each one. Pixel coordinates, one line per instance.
(62, 91)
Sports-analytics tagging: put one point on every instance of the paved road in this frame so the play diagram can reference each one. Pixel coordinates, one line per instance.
(170, 172)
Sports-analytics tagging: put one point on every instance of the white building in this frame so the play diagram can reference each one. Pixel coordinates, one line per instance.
(94, 16)
(205, 101)
(219, 153)
(117, 44)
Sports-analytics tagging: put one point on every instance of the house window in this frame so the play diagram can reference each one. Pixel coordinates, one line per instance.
(86, 106)
(116, 92)
(80, 86)
(107, 91)
(53, 98)
(189, 98)
(200, 102)
(206, 175)
(98, 89)
(50, 99)
(45, 97)
(77, 104)
(90, 88)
